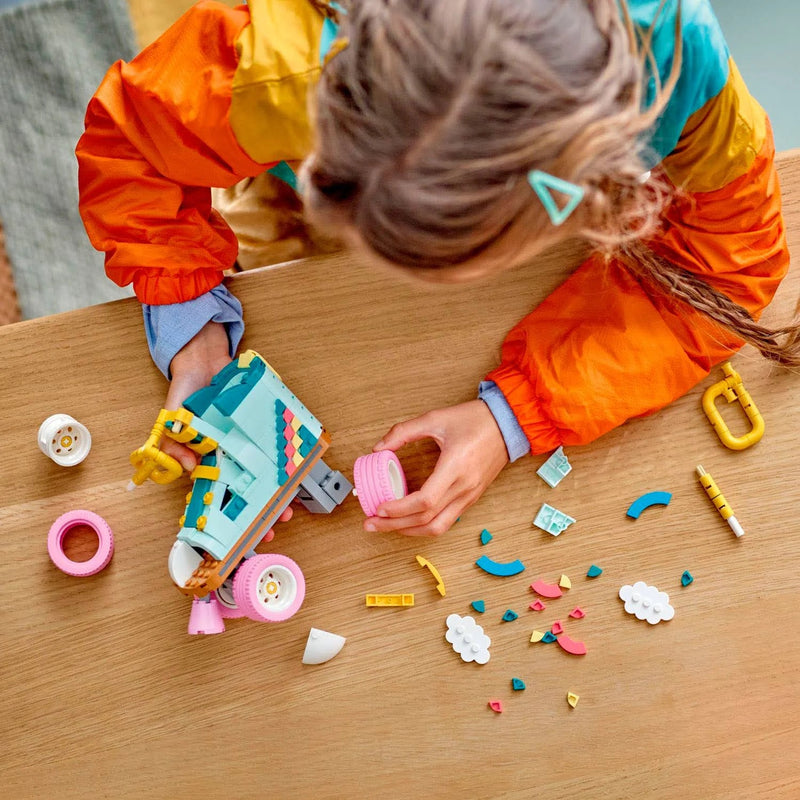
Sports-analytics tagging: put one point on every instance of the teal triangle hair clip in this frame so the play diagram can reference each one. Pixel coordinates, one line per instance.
(543, 183)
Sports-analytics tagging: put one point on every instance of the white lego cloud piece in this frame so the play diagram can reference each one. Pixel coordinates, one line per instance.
(322, 646)
(646, 602)
(468, 639)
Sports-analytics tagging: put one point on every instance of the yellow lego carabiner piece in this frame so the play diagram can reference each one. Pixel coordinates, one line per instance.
(150, 461)
(732, 389)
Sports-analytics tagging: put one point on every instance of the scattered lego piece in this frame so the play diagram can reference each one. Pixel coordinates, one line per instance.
(496, 706)
(517, 684)
(322, 646)
(538, 606)
(385, 600)
(64, 440)
(486, 537)
(80, 519)
(555, 468)
(564, 582)
(646, 602)
(468, 639)
(510, 616)
(571, 646)
(573, 698)
(556, 628)
(647, 500)
(732, 388)
(552, 520)
(501, 570)
(594, 571)
(546, 589)
(686, 578)
(549, 637)
(479, 606)
(577, 613)
(378, 478)
(423, 562)
(537, 636)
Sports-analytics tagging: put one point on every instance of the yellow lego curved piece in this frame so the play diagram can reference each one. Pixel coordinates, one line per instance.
(149, 461)
(423, 562)
(733, 389)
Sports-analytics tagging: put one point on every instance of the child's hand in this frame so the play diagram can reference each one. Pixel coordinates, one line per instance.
(472, 454)
(192, 368)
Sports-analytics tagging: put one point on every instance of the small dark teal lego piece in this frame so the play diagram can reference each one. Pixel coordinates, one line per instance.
(234, 507)
(594, 571)
(549, 637)
(510, 616)
(517, 684)
(486, 537)
(479, 606)
(686, 578)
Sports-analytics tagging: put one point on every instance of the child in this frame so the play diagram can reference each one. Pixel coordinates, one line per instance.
(444, 132)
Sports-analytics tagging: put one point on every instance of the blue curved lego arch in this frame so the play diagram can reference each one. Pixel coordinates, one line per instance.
(647, 500)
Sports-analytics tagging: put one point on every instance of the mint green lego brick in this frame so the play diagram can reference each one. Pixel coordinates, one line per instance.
(240, 448)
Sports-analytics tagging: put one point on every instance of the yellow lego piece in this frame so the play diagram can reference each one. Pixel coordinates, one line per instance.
(296, 424)
(732, 388)
(386, 600)
(573, 698)
(423, 562)
(205, 471)
(537, 636)
(149, 461)
(565, 582)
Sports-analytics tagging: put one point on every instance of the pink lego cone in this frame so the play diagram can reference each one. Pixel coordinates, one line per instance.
(206, 617)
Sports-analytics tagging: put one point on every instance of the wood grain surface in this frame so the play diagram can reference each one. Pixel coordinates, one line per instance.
(103, 693)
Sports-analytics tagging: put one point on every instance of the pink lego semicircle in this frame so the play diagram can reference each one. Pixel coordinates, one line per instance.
(571, 646)
(546, 589)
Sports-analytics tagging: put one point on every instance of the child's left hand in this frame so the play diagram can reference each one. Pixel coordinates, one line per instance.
(472, 454)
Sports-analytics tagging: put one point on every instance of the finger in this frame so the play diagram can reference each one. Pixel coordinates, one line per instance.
(186, 457)
(412, 430)
(430, 499)
(440, 524)
(286, 514)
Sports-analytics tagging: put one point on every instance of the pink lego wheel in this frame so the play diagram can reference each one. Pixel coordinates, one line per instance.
(227, 604)
(269, 588)
(74, 519)
(378, 477)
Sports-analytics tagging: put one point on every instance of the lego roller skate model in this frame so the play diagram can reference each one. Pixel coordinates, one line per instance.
(259, 448)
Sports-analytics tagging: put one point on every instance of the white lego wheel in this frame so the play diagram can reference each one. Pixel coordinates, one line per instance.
(269, 588)
(64, 440)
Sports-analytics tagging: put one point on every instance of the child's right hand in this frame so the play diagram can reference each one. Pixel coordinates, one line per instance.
(192, 368)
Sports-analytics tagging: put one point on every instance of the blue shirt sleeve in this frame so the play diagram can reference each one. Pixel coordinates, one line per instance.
(517, 443)
(169, 327)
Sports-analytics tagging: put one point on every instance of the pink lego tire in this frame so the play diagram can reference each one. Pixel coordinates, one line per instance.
(269, 588)
(63, 525)
(227, 604)
(378, 477)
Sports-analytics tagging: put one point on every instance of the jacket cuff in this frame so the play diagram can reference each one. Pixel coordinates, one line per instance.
(513, 435)
(156, 288)
(169, 327)
(519, 393)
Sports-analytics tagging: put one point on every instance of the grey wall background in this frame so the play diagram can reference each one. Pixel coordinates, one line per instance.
(763, 41)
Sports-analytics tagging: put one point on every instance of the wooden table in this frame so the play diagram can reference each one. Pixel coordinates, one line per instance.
(103, 693)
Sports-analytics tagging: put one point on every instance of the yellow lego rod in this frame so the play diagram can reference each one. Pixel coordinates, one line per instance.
(719, 501)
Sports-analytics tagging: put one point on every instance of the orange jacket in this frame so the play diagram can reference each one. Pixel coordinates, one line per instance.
(222, 96)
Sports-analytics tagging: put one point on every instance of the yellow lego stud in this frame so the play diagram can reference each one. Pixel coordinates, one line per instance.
(573, 698)
(182, 520)
(201, 522)
(188, 498)
(565, 582)
(537, 636)
(208, 498)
